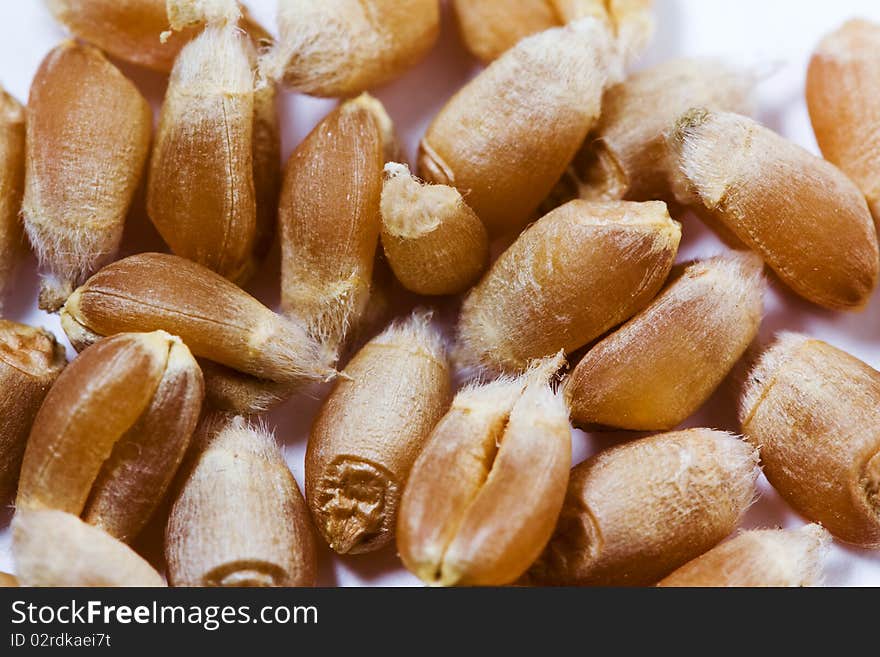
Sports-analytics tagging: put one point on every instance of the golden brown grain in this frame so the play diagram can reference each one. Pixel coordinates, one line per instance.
(636, 512)
(229, 390)
(7, 580)
(329, 218)
(30, 361)
(240, 519)
(128, 29)
(763, 557)
(81, 173)
(112, 432)
(807, 220)
(814, 411)
(201, 194)
(196, 13)
(843, 83)
(216, 319)
(491, 27)
(54, 548)
(577, 272)
(133, 30)
(657, 369)
(226, 389)
(631, 21)
(12, 149)
(625, 156)
(344, 47)
(433, 241)
(369, 432)
(483, 497)
(507, 136)
(267, 166)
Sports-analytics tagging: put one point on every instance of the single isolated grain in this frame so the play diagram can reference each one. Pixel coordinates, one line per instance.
(814, 412)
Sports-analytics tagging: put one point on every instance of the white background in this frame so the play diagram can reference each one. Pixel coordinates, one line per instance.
(774, 37)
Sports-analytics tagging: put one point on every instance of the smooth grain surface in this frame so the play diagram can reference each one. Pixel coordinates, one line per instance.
(54, 548)
(216, 319)
(112, 431)
(98, 398)
(12, 149)
(128, 29)
(136, 31)
(491, 27)
(30, 361)
(134, 478)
